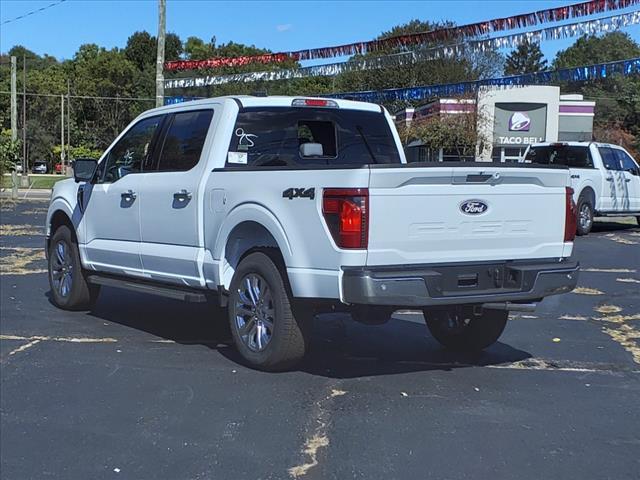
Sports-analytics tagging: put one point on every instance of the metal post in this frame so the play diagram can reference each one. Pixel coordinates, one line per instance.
(24, 180)
(162, 7)
(62, 131)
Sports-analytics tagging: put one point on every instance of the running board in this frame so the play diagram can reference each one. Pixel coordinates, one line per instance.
(175, 293)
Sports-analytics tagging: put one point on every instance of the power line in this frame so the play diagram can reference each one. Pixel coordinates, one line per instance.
(33, 12)
(93, 97)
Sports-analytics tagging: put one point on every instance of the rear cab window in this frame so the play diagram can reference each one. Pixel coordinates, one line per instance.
(572, 156)
(184, 140)
(292, 137)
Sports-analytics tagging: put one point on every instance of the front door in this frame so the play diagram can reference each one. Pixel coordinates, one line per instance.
(615, 196)
(111, 219)
(631, 173)
(169, 201)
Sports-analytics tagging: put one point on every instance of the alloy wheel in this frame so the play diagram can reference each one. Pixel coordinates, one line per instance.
(254, 312)
(62, 269)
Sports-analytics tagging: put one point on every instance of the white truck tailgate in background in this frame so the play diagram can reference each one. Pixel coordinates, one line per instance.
(415, 214)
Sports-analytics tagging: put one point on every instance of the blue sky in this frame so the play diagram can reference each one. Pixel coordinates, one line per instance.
(279, 26)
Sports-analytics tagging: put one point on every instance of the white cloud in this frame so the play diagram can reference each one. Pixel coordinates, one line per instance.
(284, 27)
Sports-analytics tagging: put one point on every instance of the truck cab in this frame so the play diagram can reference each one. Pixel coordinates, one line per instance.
(605, 178)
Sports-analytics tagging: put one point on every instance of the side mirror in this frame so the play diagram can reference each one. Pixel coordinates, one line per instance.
(84, 169)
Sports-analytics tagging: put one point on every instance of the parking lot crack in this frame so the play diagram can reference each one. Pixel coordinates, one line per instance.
(319, 437)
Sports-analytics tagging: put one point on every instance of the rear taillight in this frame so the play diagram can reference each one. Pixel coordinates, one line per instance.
(346, 212)
(570, 216)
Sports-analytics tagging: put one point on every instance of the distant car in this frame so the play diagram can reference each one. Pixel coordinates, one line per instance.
(39, 167)
(604, 177)
(17, 168)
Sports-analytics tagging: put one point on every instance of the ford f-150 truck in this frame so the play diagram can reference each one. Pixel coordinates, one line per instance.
(279, 208)
(605, 178)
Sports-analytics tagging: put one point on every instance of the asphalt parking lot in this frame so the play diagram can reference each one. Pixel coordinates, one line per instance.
(142, 387)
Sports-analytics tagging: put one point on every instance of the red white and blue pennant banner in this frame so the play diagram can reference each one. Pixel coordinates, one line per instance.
(576, 10)
(576, 74)
(590, 27)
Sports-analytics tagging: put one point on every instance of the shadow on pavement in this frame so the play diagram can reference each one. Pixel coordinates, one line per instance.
(610, 226)
(341, 348)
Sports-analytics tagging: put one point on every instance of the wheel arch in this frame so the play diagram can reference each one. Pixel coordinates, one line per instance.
(248, 229)
(588, 191)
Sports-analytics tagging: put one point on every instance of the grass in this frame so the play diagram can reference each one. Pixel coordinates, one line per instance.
(38, 181)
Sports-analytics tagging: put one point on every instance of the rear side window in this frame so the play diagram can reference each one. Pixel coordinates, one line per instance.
(571, 156)
(609, 158)
(184, 140)
(298, 137)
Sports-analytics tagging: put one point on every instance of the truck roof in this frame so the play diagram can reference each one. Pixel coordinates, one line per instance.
(268, 101)
(575, 144)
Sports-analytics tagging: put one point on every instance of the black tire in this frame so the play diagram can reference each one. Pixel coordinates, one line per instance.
(585, 215)
(69, 287)
(460, 329)
(286, 336)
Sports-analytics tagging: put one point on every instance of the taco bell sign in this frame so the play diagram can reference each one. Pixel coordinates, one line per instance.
(519, 122)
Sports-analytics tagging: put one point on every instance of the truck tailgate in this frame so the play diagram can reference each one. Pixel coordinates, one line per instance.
(427, 215)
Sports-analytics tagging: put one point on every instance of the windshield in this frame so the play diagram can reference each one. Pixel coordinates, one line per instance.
(569, 155)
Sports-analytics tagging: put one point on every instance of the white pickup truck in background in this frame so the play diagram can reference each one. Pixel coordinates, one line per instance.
(605, 178)
(285, 207)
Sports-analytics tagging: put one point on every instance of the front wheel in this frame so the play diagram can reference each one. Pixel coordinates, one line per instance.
(69, 287)
(465, 329)
(264, 328)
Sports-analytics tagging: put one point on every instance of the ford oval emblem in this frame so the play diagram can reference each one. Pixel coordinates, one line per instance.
(473, 207)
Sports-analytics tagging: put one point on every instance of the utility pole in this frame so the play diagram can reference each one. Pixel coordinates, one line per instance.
(14, 123)
(162, 13)
(24, 181)
(65, 171)
(14, 100)
(62, 131)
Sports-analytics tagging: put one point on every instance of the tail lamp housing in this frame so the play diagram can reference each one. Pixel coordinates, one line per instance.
(570, 216)
(346, 213)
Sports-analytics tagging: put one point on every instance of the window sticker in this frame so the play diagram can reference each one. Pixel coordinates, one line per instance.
(239, 158)
(245, 141)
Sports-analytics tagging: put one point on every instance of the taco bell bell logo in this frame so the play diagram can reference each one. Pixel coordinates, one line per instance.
(519, 122)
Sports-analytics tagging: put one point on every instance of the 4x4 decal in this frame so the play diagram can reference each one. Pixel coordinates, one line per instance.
(292, 193)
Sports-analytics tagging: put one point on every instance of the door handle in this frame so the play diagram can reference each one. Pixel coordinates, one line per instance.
(609, 178)
(627, 179)
(128, 196)
(182, 196)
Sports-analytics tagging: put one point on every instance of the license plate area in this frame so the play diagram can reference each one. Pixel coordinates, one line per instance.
(473, 280)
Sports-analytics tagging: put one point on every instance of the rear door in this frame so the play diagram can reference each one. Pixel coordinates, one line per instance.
(169, 200)
(429, 215)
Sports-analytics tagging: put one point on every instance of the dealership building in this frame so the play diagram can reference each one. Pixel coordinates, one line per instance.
(508, 119)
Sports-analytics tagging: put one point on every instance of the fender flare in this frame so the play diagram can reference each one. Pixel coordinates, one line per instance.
(255, 213)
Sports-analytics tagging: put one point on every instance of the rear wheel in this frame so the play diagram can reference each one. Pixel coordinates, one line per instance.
(69, 287)
(263, 326)
(462, 329)
(585, 215)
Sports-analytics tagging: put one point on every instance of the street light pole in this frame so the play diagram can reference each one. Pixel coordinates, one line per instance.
(24, 180)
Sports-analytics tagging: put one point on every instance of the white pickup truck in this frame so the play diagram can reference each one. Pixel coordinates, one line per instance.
(605, 178)
(285, 207)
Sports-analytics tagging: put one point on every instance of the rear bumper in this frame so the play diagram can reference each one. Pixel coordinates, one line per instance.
(441, 285)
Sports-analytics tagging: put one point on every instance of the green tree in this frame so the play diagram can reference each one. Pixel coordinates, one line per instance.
(526, 58)
(589, 50)
(617, 97)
